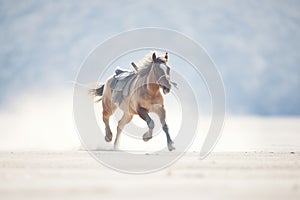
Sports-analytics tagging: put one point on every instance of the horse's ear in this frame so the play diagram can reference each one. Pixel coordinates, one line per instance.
(154, 57)
(166, 56)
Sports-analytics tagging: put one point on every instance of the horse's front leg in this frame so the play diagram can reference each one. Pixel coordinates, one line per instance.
(143, 113)
(161, 112)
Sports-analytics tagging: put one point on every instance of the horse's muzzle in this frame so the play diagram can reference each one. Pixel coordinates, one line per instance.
(166, 90)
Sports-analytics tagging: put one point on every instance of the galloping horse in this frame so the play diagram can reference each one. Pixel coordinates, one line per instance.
(144, 96)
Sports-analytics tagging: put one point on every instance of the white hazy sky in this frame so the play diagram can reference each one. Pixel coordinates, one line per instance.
(255, 45)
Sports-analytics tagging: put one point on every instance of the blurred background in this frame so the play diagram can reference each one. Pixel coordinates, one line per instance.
(254, 44)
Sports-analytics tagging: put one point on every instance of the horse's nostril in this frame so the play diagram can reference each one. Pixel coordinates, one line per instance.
(166, 90)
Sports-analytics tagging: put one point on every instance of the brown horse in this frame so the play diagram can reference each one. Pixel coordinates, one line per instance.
(144, 96)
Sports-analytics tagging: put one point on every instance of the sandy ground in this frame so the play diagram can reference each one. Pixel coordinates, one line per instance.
(75, 175)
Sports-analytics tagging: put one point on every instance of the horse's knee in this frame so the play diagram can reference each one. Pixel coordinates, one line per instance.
(106, 113)
(143, 113)
(150, 122)
(165, 128)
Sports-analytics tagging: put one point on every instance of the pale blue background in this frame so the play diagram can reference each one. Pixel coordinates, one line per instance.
(255, 44)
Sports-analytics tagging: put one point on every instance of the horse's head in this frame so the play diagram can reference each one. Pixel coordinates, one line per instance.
(161, 71)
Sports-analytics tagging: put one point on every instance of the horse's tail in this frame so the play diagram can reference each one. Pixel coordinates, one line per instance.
(97, 92)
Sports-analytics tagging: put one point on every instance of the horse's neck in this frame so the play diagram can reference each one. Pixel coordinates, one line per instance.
(152, 86)
(147, 82)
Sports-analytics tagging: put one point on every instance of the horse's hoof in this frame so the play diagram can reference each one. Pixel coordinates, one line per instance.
(147, 137)
(171, 147)
(107, 139)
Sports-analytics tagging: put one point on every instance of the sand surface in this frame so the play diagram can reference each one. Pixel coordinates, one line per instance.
(76, 175)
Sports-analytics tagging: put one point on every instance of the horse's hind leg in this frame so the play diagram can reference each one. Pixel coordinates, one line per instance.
(108, 110)
(161, 112)
(143, 113)
(126, 118)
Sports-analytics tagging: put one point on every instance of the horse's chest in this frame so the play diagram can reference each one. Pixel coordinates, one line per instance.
(151, 98)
